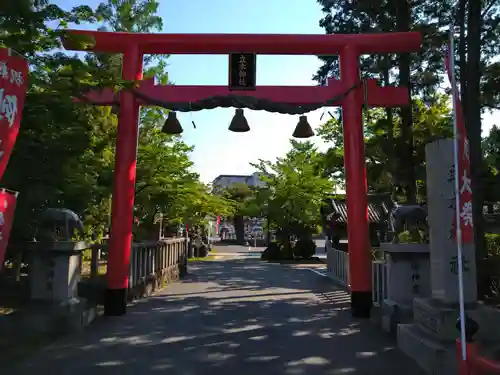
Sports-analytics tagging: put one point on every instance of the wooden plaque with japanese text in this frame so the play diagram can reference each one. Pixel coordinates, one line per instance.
(242, 71)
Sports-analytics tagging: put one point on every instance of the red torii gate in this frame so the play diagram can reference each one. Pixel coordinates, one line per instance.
(348, 47)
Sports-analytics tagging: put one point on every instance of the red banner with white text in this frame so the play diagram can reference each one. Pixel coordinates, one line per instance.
(13, 86)
(8, 200)
(463, 168)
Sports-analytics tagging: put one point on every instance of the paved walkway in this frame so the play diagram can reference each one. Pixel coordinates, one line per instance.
(234, 317)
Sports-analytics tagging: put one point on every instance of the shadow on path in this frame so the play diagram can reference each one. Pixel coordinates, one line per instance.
(234, 317)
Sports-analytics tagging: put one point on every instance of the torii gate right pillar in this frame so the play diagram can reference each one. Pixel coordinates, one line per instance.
(360, 267)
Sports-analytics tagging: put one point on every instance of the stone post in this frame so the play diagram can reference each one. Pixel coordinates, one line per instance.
(408, 277)
(441, 204)
(430, 340)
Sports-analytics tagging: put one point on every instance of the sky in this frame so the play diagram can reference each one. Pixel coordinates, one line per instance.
(217, 150)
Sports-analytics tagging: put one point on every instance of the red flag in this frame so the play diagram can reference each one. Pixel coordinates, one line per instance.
(8, 202)
(463, 168)
(13, 86)
(217, 225)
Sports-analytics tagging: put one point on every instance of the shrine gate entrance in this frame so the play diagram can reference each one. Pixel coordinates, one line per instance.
(350, 92)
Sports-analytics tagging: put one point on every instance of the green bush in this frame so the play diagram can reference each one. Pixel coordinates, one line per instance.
(407, 237)
(288, 253)
(201, 251)
(87, 255)
(272, 252)
(493, 244)
(318, 229)
(304, 249)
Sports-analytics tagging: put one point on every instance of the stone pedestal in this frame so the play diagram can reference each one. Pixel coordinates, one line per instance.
(430, 339)
(56, 270)
(408, 277)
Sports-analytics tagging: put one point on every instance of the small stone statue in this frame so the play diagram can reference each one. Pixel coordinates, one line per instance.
(58, 224)
(409, 217)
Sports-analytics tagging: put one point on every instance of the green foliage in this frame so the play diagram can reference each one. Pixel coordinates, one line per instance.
(491, 148)
(295, 191)
(64, 155)
(422, 72)
(200, 204)
(304, 248)
(431, 19)
(491, 167)
(25, 25)
(239, 194)
(272, 252)
(430, 122)
(475, 24)
(493, 244)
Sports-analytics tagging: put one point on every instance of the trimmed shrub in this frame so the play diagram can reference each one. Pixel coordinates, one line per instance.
(272, 252)
(304, 249)
(202, 251)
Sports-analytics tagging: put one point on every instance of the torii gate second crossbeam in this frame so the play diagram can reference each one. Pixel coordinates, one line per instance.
(349, 47)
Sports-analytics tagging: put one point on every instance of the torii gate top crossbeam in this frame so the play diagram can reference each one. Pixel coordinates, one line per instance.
(270, 44)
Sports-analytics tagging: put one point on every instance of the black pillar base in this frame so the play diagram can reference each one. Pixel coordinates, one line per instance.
(115, 302)
(361, 304)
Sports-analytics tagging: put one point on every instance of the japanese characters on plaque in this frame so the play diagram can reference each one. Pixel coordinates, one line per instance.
(242, 71)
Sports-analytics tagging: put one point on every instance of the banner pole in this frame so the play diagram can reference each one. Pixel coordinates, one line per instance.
(458, 225)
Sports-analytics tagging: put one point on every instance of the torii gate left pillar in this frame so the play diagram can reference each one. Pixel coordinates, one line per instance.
(348, 47)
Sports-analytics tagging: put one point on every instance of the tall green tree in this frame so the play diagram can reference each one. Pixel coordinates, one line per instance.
(491, 151)
(476, 33)
(55, 131)
(164, 172)
(419, 72)
(296, 191)
(429, 123)
(64, 155)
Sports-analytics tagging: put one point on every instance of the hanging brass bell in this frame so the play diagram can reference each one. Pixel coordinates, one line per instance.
(239, 123)
(303, 129)
(172, 125)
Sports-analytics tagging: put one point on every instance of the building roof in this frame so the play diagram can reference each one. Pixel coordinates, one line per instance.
(376, 213)
(232, 176)
(229, 179)
(379, 206)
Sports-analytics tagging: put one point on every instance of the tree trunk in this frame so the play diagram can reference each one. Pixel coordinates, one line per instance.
(473, 125)
(239, 229)
(268, 232)
(389, 151)
(403, 23)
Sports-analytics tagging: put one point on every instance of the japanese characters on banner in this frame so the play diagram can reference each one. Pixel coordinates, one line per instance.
(8, 200)
(13, 86)
(463, 168)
